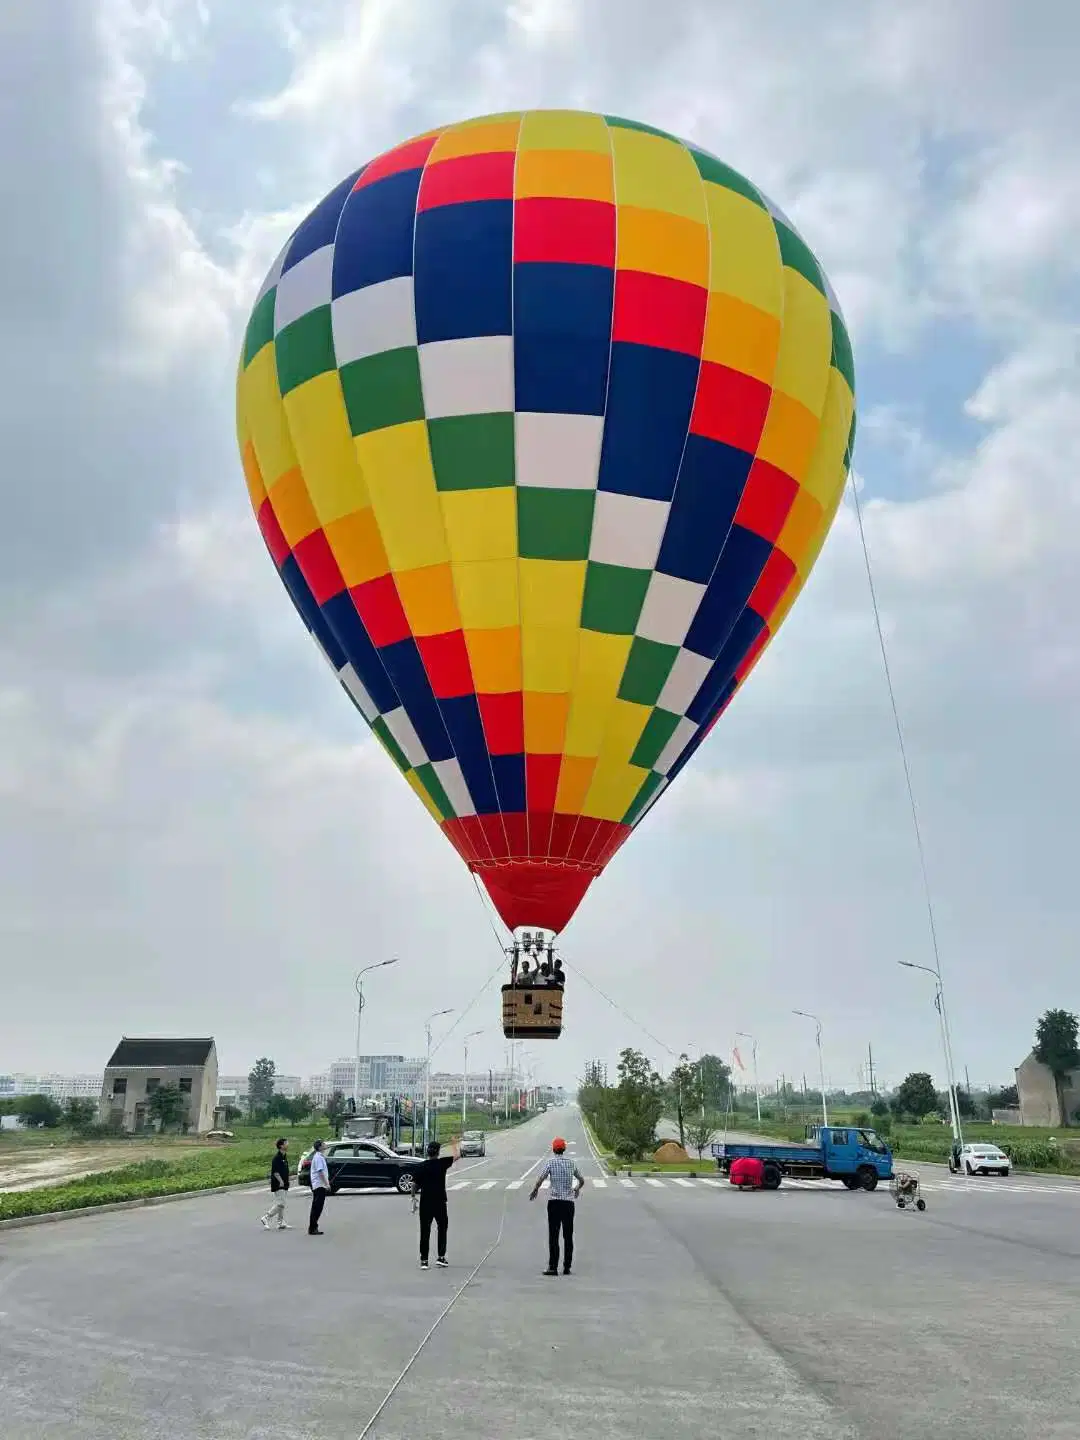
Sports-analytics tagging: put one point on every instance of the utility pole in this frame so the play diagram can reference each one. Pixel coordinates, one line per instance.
(870, 1058)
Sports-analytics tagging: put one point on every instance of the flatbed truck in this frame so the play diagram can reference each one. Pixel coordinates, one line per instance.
(856, 1156)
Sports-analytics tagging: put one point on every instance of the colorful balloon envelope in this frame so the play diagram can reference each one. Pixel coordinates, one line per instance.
(544, 418)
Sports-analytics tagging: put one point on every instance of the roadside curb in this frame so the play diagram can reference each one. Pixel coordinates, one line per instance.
(49, 1217)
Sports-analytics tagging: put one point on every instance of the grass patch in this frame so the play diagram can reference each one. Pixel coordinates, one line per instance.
(242, 1160)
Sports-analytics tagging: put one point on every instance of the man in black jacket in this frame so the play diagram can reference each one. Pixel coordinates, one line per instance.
(274, 1219)
(429, 1198)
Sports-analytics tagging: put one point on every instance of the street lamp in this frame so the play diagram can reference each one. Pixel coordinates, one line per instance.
(465, 1074)
(946, 1044)
(821, 1063)
(359, 984)
(427, 1070)
(742, 1035)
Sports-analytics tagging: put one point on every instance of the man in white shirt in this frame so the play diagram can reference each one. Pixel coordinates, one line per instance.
(320, 1188)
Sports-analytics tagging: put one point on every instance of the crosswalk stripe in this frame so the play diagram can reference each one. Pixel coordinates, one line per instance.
(788, 1185)
(600, 1184)
(628, 1184)
(515, 1184)
(651, 1180)
(717, 1184)
(488, 1185)
(686, 1184)
(461, 1185)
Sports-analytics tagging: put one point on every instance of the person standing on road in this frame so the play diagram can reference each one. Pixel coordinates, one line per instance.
(320, 1188)
(567, 1183)
(430, 1198)
(274, 1219)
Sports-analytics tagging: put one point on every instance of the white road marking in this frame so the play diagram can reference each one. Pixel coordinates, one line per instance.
(599, 1184)
(515, 1184)
(532, 1167)
(656, 1184)
(487, 1185)
(686, 1184)
(628, 1184)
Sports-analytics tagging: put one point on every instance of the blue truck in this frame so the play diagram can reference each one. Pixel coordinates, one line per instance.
(856, 1156)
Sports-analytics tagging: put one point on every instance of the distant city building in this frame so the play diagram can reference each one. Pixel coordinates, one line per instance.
(56, 1087)
(233, 1089)
(138, 1067)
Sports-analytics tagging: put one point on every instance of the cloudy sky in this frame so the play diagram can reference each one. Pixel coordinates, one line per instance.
(195, 835)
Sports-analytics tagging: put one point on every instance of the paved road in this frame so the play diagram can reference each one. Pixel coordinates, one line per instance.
(695, 1311)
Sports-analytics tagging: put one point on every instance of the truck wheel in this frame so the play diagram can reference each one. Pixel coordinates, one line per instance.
(770, 1177)
(867, 1177)
(851, 1182)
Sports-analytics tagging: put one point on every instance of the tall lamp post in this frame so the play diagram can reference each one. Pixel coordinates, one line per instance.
(946, 1044)
(427, 1070)
(465, 1075)
(359, 984)
(742, 1035)
(821, 1063)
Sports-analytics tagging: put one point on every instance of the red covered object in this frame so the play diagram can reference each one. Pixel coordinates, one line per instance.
(747, 1173)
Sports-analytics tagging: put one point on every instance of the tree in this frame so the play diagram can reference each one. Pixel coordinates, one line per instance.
(1056, 1047)
(38, 1112)
(1007, 1098)
(964, 1103)
(880, 1107)
(639, 1103)
(80, 1114)
(916, 1096)
(301, 1108)
(715, 1081)
(684, 1094)
(260, 1086)
(166, 1106)
(701, 1129)
(335, 1111)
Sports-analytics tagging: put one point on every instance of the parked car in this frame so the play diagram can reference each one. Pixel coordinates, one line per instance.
(362, 1165)
(473, 1142)
(980, 1159)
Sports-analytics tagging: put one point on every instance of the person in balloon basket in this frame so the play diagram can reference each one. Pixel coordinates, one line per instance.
(567, 1183)
(320, 1187)
(274, 1219)
(429, 1197)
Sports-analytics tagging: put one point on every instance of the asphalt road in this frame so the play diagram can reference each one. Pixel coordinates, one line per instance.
(694, 1310)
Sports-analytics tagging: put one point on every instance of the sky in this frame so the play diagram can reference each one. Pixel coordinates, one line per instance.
(197, 833)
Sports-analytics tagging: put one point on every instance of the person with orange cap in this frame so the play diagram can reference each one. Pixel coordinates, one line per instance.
(567, 1183)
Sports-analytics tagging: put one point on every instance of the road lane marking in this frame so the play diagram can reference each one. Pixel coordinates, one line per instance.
(656, 1184)
(515, 1184)
(686, 1184)
(487, 1185)
(599, 1184)
(628, 1184)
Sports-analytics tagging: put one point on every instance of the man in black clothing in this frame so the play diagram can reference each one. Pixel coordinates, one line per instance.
(274, 1219)
(430, 1198)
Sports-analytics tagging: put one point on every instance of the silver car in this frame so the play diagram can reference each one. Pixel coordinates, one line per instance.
(473, 1142)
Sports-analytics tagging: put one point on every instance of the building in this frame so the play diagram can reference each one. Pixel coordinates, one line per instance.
(380, 1076)
(233, 1089)
(1039, 1104)
(138, 1067)
(56, 1087)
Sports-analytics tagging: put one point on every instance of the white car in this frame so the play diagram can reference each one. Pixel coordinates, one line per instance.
(980, 1159)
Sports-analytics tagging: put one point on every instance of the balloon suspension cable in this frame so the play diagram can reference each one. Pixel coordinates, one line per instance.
(899, 731)
(484, 987)
(577, 970)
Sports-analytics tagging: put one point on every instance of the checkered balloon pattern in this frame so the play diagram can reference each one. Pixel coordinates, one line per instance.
(544, 418)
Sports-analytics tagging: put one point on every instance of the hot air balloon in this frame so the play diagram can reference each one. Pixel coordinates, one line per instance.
(544, 419)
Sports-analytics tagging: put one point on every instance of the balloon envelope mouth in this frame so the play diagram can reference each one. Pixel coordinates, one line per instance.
(540, 894)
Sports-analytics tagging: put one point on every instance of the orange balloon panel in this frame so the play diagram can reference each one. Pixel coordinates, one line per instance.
(544, 418)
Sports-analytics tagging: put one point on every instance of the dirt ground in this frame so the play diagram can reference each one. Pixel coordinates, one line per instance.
(31, 1167)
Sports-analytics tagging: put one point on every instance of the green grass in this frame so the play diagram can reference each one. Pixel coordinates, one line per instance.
(242, 1160)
